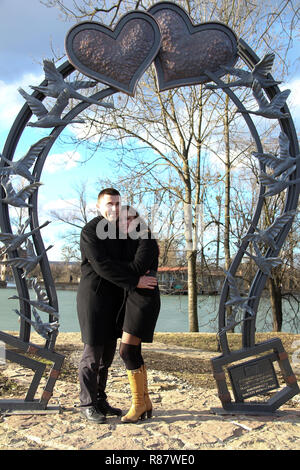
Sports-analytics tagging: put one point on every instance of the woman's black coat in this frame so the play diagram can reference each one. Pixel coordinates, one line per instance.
(104, 280)
(142, 305)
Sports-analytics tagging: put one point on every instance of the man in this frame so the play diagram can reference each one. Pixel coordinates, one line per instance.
(100, 298)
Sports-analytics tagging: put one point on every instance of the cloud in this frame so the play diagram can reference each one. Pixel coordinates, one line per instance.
(293, 100)
(62, 161)
(11, 101)
(67, 208)
(59, 205)
(29, 30)
(55, 253)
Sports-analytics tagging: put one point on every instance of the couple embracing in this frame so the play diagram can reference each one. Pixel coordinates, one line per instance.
(118, 296)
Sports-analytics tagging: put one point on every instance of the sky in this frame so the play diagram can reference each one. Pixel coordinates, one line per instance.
(29, 32)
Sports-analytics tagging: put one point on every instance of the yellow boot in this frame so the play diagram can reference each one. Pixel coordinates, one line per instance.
(138, 406)
(146, 393)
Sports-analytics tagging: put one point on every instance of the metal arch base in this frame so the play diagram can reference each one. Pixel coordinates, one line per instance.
(256, 377)
(26, 359)
(252, 372)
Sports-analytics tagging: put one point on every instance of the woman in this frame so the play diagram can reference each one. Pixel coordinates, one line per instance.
(141, 311)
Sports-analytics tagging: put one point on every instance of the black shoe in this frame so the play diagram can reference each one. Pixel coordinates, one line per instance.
(92, 414)
(108, 410)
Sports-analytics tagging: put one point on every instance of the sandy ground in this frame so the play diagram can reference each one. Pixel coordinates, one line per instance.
(184, 417)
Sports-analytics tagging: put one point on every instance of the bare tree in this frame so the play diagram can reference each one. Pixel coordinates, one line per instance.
(76, 213)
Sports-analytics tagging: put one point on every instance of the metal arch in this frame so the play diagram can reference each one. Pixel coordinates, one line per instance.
(248, 329)
(10, 146)
(291, 202)
(8, 151)
(238, 257)
(256, 376)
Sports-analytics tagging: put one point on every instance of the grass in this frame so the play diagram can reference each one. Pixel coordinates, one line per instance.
(199, 372)
(209, 342)
(10, 386)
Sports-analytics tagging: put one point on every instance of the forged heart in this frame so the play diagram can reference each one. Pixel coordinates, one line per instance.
(116, 57)
(188, 50)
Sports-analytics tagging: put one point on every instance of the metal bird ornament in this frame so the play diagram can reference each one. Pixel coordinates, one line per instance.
(264, 264)
(12, 242)
(28, 263)
(283, 162)
(236, 299)
(8, 239)
(246, 78)
(56, 84)
(272, 109)
(232, 321)
(50, 118)
(41, 302)
(276, 186)
(268, 235)
(17, 199)
(22, 166)
(43, 329)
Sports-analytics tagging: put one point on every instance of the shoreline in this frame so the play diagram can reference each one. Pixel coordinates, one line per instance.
(74, 285)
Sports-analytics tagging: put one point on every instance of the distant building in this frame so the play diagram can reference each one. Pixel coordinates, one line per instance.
(210, 281)
(172, 278)
(65, 271)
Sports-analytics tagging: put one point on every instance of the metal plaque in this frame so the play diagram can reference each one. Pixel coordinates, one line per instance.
(252, 378)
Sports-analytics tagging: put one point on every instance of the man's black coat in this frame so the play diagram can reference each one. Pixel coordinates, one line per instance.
(101, 293)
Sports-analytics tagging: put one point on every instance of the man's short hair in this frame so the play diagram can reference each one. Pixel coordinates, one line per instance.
(110, 191)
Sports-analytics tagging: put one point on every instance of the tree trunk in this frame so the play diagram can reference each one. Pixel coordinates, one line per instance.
(3, 267)
(219, 202)
(227, 196)
(276, 303)
(191, 254)
(192, 291)
(227, 187)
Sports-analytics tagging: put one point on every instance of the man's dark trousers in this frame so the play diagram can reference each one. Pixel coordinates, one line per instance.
(93, 372)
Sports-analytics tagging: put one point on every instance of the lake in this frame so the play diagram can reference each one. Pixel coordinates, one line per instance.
(173, 315)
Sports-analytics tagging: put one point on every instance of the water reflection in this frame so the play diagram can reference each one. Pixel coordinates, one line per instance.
(173, 316)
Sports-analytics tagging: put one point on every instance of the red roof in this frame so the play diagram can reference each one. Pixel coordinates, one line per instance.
(169, 269)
